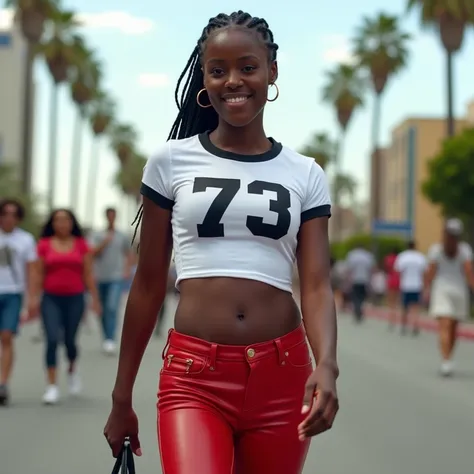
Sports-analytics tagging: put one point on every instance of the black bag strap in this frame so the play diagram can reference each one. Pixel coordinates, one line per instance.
(125, 464)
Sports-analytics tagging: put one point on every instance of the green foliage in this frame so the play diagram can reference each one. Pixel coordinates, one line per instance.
(450, 182)
(382, 245)
(10, 188)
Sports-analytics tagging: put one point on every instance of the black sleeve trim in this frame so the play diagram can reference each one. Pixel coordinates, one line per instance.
(156, 197)
(320, 211)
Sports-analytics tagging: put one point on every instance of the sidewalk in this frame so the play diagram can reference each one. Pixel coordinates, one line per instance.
(465, 330)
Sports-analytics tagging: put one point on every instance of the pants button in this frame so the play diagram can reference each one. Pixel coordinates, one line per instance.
(250, 353)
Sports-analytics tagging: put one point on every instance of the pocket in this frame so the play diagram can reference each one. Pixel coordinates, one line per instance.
(298, 356)
(179, 362)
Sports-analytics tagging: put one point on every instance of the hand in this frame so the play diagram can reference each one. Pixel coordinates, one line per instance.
(96, 307)
(320, 402)
(426, 295)
(122, 423)
(32, 309)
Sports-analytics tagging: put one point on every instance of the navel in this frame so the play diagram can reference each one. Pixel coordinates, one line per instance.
(240, 316)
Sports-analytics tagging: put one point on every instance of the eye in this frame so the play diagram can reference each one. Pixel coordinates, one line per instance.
(249, 69)
(217, 71)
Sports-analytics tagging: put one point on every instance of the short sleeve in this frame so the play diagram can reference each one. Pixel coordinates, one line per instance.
(82, 246)
(31, 253)
(317, 202)
(156, 181)
(42, 248)
(398, 264)
(466, 252)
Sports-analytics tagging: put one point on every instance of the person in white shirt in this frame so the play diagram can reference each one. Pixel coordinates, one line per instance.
(448, 279)
(360, 264)
(411, 265)
(17, 257)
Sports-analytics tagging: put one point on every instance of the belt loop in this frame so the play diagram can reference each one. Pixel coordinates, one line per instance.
(281, 356)
(167, 344)
(213, 356)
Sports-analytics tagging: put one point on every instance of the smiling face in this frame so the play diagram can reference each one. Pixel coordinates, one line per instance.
(237, 74)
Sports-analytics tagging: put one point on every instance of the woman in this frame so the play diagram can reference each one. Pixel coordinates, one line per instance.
(393, 287)
(237, 387)
(64, 274)
(447, 281)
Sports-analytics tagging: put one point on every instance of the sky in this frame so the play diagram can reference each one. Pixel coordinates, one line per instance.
(145, 45)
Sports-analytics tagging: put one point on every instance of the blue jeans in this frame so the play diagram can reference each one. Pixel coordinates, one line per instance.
(110, 294)
(10, 308)
(61, 319)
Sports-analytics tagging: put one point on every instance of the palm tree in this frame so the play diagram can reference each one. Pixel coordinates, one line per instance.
(380, 47)
(123, 138)
(346, 186)
(451, 18)
(129, 176)
(85, 80)
(32, 16)
(59, 53)
(321, 148)
(344, 90)
(102, 111)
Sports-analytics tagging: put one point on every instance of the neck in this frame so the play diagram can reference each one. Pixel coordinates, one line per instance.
(248, 140)
(111, 227)
(7, 231)
(62, 237)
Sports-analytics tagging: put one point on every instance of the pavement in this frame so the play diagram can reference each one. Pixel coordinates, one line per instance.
(397, 416)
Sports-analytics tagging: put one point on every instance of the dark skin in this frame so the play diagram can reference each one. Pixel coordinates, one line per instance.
(227, 310)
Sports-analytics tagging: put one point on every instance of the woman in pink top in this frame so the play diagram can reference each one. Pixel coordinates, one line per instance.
(64, 274)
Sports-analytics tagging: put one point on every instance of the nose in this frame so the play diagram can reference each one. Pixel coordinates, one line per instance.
(234, 80)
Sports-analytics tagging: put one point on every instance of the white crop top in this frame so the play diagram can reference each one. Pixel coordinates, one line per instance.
(235, 215)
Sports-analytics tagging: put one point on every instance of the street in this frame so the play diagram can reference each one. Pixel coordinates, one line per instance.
(396, 415)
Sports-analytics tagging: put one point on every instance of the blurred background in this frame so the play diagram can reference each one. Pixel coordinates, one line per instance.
(381, 94)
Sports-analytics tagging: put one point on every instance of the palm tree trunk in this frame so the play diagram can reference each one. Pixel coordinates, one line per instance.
(74, 180)
(92, 182)
(375, 201)
(336, 191)
(53, 147)
(28, 119)
(450, 91)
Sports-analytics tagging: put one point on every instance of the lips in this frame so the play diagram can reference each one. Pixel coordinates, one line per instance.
(236, 99)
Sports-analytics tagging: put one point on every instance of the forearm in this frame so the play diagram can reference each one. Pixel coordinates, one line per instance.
(91, 286)
(320, 322)
(141, 313)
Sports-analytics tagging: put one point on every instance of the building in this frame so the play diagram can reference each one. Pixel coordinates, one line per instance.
(398, 171)
(13, 71)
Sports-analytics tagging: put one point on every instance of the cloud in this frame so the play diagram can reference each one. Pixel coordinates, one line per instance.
(337, 50)
(6, 18)
(153, 80)
(116, 20)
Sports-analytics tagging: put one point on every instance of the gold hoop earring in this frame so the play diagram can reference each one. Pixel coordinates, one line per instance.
(277, 94)
(199, 102)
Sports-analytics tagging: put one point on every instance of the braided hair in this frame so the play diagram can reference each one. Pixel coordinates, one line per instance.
(193, 119)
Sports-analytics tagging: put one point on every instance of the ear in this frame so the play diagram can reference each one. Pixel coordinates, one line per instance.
(273, 72)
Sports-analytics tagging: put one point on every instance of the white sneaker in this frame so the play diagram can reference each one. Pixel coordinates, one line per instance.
(74, 384)
(447, 368)
(109, 347)
(51, 396)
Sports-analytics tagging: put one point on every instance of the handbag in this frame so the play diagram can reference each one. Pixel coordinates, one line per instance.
(125, 464)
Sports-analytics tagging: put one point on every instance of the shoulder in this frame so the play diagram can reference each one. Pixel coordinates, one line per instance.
(465, 248)
(26, 237)
(43, 244)
(82, 244)
(303, 162)
(173, 148)
(435, 251)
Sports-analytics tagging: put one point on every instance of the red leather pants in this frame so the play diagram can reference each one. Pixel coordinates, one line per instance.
(232, 409)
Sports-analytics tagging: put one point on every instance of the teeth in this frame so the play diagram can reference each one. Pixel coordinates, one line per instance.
(233, 100)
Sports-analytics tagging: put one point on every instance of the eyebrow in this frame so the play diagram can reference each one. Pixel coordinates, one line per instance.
(241, 58)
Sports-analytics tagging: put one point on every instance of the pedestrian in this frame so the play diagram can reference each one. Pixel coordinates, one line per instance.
(448, 278)
(17, 259)
(64, 273)
(237, 388)
(361, 265)
(393, 287)
(411, 265)
(113, 268)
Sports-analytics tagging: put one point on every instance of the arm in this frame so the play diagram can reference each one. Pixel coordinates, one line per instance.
(431, 268)
(89, 279)
(467, 266)
(317, 300)
(146, 296)
(98, 247)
